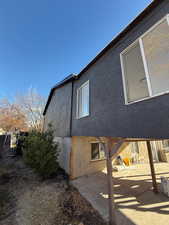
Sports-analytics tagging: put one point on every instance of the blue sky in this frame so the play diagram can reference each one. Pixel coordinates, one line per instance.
(42, 41)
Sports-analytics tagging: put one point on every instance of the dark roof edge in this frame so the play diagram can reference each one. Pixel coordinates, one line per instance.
(69, 78)
(122, 34)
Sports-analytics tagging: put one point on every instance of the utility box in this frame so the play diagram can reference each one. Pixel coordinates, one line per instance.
(165, 186)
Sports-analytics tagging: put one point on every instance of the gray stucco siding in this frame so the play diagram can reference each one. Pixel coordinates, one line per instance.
(59, 111)
(109, 116)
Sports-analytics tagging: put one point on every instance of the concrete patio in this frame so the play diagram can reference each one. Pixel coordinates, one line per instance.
(136, 204)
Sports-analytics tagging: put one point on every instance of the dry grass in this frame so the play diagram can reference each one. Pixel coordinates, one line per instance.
(73, 205)
(27, 200)
(39, 206)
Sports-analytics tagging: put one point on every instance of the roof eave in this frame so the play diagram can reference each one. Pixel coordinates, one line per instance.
(122, 34)
(62, 83)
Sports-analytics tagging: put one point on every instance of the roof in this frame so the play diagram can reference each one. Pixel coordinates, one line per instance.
(61, 83)
(138, 19)
(122, 34)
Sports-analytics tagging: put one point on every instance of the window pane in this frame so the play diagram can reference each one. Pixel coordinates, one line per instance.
(95, 151)
(102, 152)
(79, 102)
(156, 47)
(85, 100)
(135, 147)
(136, 83)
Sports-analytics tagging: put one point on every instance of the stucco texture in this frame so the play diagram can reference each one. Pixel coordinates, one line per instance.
(81, 163)
(65, 144)
(109, 116)
(59, 111)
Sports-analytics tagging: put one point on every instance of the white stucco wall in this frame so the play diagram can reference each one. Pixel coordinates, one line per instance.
(65, 150)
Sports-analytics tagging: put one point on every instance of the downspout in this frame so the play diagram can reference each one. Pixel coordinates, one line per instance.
(70, 133)
(71, 110)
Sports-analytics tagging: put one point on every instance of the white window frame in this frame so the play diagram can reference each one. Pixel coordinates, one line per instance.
(97, 142)
(140, 41)
(78, 116)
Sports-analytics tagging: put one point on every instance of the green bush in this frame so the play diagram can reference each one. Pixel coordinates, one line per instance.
(41, 152)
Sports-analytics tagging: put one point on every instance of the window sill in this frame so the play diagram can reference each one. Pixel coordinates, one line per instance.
(82, 117)
(147, 98)
(96, 160)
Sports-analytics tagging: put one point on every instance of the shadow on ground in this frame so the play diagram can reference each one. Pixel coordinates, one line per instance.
(135, 201)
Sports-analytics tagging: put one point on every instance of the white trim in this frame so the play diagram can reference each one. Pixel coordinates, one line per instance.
(168, 19)
(77, 104)
(84, 84)
(129, 47)
(140, 41)
(148, 98)
(154, 26)
(123, 80)
(93, 142)
(77, 99)
(97, 142)
(125, 88)
(145, 67)
(145, 33)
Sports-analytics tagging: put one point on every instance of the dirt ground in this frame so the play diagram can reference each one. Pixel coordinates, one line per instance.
(27, 200)
(135, 202)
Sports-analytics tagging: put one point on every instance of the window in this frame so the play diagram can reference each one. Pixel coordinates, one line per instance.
(83, 100)
(135, 74)
(145, 64)
(135, 148)
(165, 143)
(97, 151)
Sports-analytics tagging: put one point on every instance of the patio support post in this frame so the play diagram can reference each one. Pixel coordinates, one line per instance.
(110, 182)
(155, 188)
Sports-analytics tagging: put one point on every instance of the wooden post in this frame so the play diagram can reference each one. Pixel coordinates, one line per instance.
(110, 182)
(155, 188)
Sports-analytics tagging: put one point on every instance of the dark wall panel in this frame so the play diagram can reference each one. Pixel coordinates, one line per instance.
(59, 111)
(109, 116)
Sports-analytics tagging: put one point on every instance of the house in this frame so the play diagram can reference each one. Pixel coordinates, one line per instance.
(122, 93)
